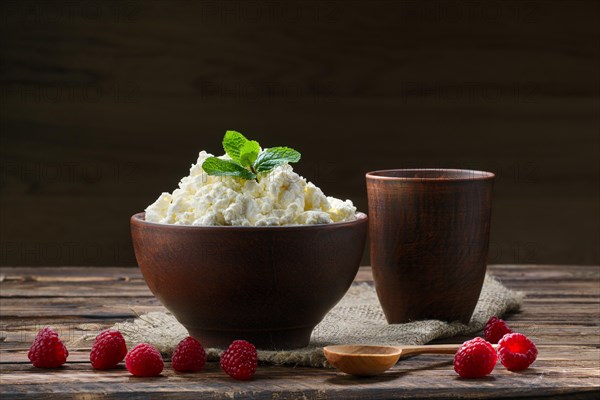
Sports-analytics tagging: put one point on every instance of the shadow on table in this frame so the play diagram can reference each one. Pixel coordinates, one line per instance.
(348, 380)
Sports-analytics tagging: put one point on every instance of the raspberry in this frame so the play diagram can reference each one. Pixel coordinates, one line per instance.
(240, 360)
(494, 329)
(516, 351)
(144, 360)
(108, 349)
(188, 356)
(475, 358)
(47, 351)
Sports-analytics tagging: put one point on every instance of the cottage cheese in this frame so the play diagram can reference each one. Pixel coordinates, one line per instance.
(282, 197)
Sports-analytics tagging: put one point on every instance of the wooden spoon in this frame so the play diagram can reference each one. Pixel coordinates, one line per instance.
(361, 360)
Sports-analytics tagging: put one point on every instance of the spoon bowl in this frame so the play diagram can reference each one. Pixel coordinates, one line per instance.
(364, 360)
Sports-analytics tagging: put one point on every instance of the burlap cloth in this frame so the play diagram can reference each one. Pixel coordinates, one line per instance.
(356, 319)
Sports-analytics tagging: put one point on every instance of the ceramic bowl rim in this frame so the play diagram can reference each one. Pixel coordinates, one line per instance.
(139, 218)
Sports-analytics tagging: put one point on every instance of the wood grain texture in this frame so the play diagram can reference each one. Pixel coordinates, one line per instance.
(561, 313)
(106, 104)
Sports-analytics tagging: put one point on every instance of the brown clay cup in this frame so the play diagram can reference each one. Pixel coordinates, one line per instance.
(268, 285)
(429, 233)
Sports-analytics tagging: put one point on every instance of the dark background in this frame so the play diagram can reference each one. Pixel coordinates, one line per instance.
(106, 104)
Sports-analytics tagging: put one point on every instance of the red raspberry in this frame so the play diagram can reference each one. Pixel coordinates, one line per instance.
(516, 351)
(475, 358)
(108, 349)
(494, 329)
(188, 356)
(47, 351)
(144, 360)
(240, 360)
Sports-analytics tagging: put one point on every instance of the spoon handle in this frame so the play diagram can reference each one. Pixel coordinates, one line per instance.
(430, 349)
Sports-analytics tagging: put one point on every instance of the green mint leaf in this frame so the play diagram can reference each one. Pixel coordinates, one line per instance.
(219, 167)
(275, 156)
(249, 152)
(233, 143)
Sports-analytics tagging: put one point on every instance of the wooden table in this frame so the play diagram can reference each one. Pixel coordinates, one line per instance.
(561, 314)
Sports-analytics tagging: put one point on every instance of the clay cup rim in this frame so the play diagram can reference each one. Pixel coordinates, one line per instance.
(429, 175)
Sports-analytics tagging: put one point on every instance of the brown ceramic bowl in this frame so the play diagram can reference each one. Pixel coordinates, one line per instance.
(268, 285)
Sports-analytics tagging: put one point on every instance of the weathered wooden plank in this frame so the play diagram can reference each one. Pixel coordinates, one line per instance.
(430, 369)
(8, 273)
(126, 391)
(75, 289)
(546, 271)
(15, 332)
(128, 282)
(438, 381)
(585, 291)
(550, 356)
(535, 287)
(17, 339)
(76, 306)
(520, 272)
(113, 307)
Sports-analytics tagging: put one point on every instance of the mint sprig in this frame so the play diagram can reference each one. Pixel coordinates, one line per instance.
(249, 153)
(220, 167)
(275, 156)
(233, 143)
(247, 159)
